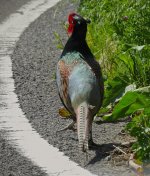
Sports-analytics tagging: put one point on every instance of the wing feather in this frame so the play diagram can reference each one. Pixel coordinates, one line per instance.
(63, 73)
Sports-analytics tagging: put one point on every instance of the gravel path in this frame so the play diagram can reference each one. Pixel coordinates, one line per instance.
(34, 63)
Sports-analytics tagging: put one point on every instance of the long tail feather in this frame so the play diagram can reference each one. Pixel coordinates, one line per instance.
(83, 126)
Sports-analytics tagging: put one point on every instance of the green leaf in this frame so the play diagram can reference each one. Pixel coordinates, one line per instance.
(114, 89)
(147, 110)
(129, 104)
(125, 57)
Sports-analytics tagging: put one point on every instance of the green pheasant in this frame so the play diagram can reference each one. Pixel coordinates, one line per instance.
(79, 80)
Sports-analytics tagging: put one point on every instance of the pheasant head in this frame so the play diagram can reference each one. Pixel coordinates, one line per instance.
(77, 25)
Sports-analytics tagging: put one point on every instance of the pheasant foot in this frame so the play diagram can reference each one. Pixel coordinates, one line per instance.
(92, 145)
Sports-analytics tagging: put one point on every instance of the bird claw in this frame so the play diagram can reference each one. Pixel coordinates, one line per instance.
(69, 127)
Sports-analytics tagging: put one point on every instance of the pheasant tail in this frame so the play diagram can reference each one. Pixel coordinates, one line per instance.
(83, 126)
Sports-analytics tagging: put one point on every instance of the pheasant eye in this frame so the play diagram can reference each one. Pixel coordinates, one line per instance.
(71, 18)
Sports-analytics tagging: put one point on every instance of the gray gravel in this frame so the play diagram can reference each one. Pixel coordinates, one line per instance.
(34, 64)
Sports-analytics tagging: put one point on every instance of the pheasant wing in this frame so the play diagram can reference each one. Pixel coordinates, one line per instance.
(63, 73)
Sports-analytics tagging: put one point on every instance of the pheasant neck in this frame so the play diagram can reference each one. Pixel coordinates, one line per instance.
(77, 44)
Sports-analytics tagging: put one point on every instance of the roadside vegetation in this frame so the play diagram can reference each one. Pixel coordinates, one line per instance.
(119, 37)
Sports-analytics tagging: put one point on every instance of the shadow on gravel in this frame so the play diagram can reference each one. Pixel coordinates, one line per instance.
(102, 151)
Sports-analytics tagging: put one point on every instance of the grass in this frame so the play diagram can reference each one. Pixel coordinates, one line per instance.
(119, 37)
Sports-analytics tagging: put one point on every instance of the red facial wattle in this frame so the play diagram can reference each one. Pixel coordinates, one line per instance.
(71, 23)
(70, 28)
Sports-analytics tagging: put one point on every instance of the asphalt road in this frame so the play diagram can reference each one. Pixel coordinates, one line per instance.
(8, 7)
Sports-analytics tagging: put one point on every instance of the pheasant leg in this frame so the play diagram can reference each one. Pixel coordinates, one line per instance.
(91, 143)
(68, 127)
